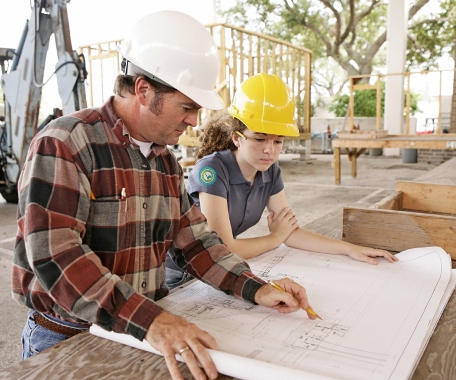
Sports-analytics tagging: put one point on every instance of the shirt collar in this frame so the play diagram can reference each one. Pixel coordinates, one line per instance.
(120, 129)
(114, 121)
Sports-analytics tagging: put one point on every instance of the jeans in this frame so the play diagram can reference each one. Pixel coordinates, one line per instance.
(36, 338)
(175, 278)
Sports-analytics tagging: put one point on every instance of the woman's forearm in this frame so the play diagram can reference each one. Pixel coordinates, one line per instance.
(251, 247)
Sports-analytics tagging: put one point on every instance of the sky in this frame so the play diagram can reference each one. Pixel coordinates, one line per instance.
(91, 21)
(94, 21)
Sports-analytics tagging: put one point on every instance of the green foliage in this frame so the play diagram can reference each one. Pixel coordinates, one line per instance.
(365, 103)
(348, 38)
(432, 36)
(339, 106)
(352, 33)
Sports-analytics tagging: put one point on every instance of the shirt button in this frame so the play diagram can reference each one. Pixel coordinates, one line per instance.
(144, 166)
(143, 285)
(144, 205)
(124, 143)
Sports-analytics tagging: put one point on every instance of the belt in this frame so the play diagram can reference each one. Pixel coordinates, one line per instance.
(56, 327)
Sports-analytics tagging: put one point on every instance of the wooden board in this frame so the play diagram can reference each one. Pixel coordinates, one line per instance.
(391, 202)
(445, 142)
(428, 197)
(89, 357)
(356, 134)
(355, 145)
(396, 231)
(416, 215)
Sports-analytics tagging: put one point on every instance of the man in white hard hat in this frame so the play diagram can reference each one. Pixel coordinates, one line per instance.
(101, 201)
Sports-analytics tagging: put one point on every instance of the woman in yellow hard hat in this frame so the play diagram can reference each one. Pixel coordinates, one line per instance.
(237, 176)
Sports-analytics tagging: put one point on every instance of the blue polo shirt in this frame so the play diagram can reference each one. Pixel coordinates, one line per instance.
(219, 174)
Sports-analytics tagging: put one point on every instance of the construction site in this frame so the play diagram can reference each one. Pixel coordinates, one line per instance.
(351, 179)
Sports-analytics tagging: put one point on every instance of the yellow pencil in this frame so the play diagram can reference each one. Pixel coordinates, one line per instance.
(309, 309)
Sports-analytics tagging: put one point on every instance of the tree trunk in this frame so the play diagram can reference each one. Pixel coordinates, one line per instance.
(453, 101)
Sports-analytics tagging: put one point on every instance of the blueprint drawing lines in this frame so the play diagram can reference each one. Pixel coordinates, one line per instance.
(369, 312)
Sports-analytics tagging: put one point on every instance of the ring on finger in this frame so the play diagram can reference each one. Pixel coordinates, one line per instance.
(183, 349)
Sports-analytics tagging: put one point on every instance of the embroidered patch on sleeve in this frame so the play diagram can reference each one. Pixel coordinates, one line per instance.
(207, 175)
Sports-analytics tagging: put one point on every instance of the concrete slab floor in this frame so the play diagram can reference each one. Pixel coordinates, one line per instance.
(311, 192)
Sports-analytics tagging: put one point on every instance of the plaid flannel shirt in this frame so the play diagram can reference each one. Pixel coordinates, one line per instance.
(87, 251)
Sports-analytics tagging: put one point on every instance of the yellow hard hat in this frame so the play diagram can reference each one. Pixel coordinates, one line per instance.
(265, 104)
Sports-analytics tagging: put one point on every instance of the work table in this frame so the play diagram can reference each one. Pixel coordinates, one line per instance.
(86, 356)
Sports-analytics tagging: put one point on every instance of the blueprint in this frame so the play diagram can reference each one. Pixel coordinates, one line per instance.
(375, 317)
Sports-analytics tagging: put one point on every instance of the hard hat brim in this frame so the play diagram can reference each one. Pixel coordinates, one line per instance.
(209, 99)
(269, 128)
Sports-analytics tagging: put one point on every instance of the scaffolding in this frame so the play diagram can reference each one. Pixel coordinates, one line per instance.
(243, 53)
(103, 65)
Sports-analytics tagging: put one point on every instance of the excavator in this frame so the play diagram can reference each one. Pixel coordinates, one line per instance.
(22, 81)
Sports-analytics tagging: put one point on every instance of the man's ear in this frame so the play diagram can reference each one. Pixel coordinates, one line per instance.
(142, 90)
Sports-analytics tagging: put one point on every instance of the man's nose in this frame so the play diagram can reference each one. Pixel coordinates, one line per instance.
(192, 118)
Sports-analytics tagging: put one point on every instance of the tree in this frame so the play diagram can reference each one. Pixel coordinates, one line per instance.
(453, 100)
(432, 36)
(365, 103)
(350, 33)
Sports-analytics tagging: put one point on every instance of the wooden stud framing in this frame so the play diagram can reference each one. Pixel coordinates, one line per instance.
(249, 53)
(242, 54)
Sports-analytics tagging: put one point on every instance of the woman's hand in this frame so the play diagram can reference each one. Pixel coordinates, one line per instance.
(366, 254)
(283, 225)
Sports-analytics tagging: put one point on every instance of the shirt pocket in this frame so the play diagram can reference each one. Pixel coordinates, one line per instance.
(107, 228)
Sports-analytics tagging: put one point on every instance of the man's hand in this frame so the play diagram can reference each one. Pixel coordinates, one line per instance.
(292, 298)
(172, 335)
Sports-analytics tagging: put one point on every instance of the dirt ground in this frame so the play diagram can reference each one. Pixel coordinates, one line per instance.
(311, 192)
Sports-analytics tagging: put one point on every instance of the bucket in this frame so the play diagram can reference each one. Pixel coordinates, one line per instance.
(409, 156)
(375, 151)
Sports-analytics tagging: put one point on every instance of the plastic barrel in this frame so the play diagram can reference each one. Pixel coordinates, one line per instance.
(409, 156)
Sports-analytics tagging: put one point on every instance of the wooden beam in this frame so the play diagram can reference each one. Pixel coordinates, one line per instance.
(397, 231)
(336, 158)
(428, 197)
(391, 202)
(411, 143)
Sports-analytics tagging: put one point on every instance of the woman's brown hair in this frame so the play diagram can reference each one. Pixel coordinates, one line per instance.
(216, 135)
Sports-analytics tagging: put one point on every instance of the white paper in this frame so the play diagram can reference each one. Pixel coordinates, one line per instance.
(376, 319)
(432, 325)
(228, 364)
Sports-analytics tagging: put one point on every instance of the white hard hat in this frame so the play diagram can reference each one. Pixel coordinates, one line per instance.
(178, 50)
